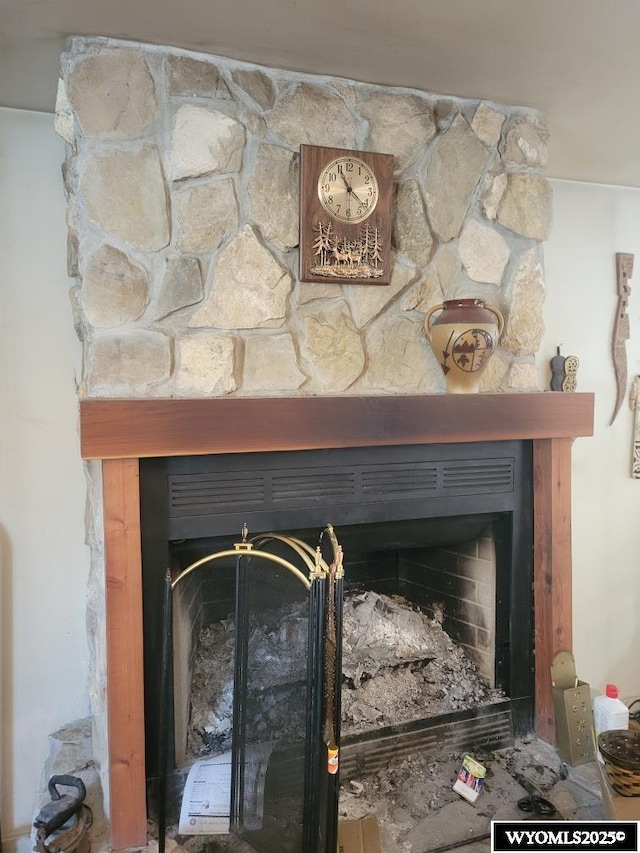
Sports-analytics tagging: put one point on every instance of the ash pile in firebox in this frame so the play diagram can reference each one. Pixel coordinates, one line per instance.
(398, 665)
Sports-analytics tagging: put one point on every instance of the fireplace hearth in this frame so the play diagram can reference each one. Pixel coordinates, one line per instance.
(123, 432)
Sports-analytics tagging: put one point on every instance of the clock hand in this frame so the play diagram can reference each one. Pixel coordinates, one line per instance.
(349, 188)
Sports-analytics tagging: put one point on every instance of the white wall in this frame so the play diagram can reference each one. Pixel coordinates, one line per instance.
(591, 224)
(43, 560)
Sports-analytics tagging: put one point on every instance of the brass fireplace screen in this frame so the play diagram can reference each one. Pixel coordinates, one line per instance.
(283, 787)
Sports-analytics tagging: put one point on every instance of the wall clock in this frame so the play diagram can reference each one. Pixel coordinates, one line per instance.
(345, 215)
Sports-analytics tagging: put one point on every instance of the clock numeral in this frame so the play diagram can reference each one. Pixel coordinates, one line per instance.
(349, 166)
(327, 188)
(329, 199)
(367, 178)
(348, 212)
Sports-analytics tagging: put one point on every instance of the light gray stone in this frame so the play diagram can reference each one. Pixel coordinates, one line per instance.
(493, 187)
(524, 326)
(126, 364)
(445, 111)
(113, 93)
(523, 376)
(270, 365)
(63, 121)
(331, 346)
(203, 141)
(412, 234)
(398, 124)
(205, 215)
(527, 143)
(487, 124)
(181, 285)
(71, 753)
(483, 251)
(425, 294)
(368, 301)
(255, 124)
(441, 273)
(317, 290)
(399, 358)
(526, 206)
(204, 365)
(453, 173)
(115, 289)
(496, 374)
(125, 194)
(250, 288)
(257, 85)
(196, 78)
(313, 117)
(273, 195)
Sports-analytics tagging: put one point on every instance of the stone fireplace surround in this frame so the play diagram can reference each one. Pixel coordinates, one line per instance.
(120, 432)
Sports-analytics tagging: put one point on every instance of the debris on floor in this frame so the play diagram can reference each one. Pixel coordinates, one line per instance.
(419, 811)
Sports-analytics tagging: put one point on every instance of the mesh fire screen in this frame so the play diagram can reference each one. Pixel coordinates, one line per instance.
(282, 797)
(272, 694)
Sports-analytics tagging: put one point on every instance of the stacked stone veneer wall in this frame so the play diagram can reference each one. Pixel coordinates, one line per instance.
(182, 180)
(182, 184)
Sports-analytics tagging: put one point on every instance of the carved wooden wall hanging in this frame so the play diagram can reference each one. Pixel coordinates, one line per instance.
(634, 405)
(624, 271)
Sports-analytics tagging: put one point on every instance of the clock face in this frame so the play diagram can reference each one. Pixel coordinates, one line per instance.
(348, 189)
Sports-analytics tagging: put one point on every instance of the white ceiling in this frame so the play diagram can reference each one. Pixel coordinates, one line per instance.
(575, 60)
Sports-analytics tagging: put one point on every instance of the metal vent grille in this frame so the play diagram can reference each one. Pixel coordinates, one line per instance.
(217, 493)
(197, 494)
(312, 484)
(485, 475)
(387, 480)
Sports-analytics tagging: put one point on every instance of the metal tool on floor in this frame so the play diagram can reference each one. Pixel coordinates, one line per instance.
(63, 824)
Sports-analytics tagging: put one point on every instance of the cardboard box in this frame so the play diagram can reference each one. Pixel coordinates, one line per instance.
(359, 836)
(573, 723)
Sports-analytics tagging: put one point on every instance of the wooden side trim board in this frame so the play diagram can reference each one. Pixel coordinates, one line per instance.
(125, 691)
(551, 569)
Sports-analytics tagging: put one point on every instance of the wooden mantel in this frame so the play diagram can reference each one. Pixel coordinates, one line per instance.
(120, 432)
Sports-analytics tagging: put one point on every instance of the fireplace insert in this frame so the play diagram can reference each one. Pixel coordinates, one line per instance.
(400, 513)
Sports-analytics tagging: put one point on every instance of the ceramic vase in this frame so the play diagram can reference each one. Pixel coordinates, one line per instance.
(463, 338)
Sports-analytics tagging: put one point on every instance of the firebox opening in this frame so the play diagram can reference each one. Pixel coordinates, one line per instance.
(468, 570)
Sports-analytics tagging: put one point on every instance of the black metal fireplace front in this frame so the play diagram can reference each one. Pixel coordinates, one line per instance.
(387, 504)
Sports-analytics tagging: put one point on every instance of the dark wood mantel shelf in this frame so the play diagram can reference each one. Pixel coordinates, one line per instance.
(121, 432)
(120, 429)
